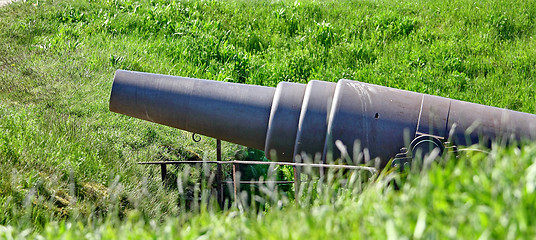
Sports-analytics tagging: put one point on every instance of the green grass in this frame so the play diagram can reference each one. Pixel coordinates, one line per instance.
(67, 165)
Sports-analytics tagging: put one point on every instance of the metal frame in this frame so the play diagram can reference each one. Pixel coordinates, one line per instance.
(219, 173)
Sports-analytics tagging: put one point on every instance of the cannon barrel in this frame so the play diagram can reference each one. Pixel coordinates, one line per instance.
(294, 119)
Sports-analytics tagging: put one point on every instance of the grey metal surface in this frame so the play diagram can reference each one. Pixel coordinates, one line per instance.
(310, 119)
(434, 114)
(283, 123)
(232, 112)
(374, 116)
(313, 121)
(474, 123)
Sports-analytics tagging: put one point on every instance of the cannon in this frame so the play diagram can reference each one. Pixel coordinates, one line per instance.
(319, 118)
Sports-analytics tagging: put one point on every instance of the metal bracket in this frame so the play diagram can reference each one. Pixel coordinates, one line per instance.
(195, 137)
(419, 147)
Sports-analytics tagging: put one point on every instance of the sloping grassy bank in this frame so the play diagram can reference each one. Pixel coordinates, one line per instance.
(481, 195)
(65, 159)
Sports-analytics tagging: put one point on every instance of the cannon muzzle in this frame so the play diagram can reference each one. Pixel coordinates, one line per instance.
(295, 119)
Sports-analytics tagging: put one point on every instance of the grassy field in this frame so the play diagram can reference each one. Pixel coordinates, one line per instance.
(67, 165)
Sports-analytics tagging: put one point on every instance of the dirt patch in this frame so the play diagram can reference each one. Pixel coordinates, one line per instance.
(6, 2)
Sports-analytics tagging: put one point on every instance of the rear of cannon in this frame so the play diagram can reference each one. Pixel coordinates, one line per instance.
(316, 118)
